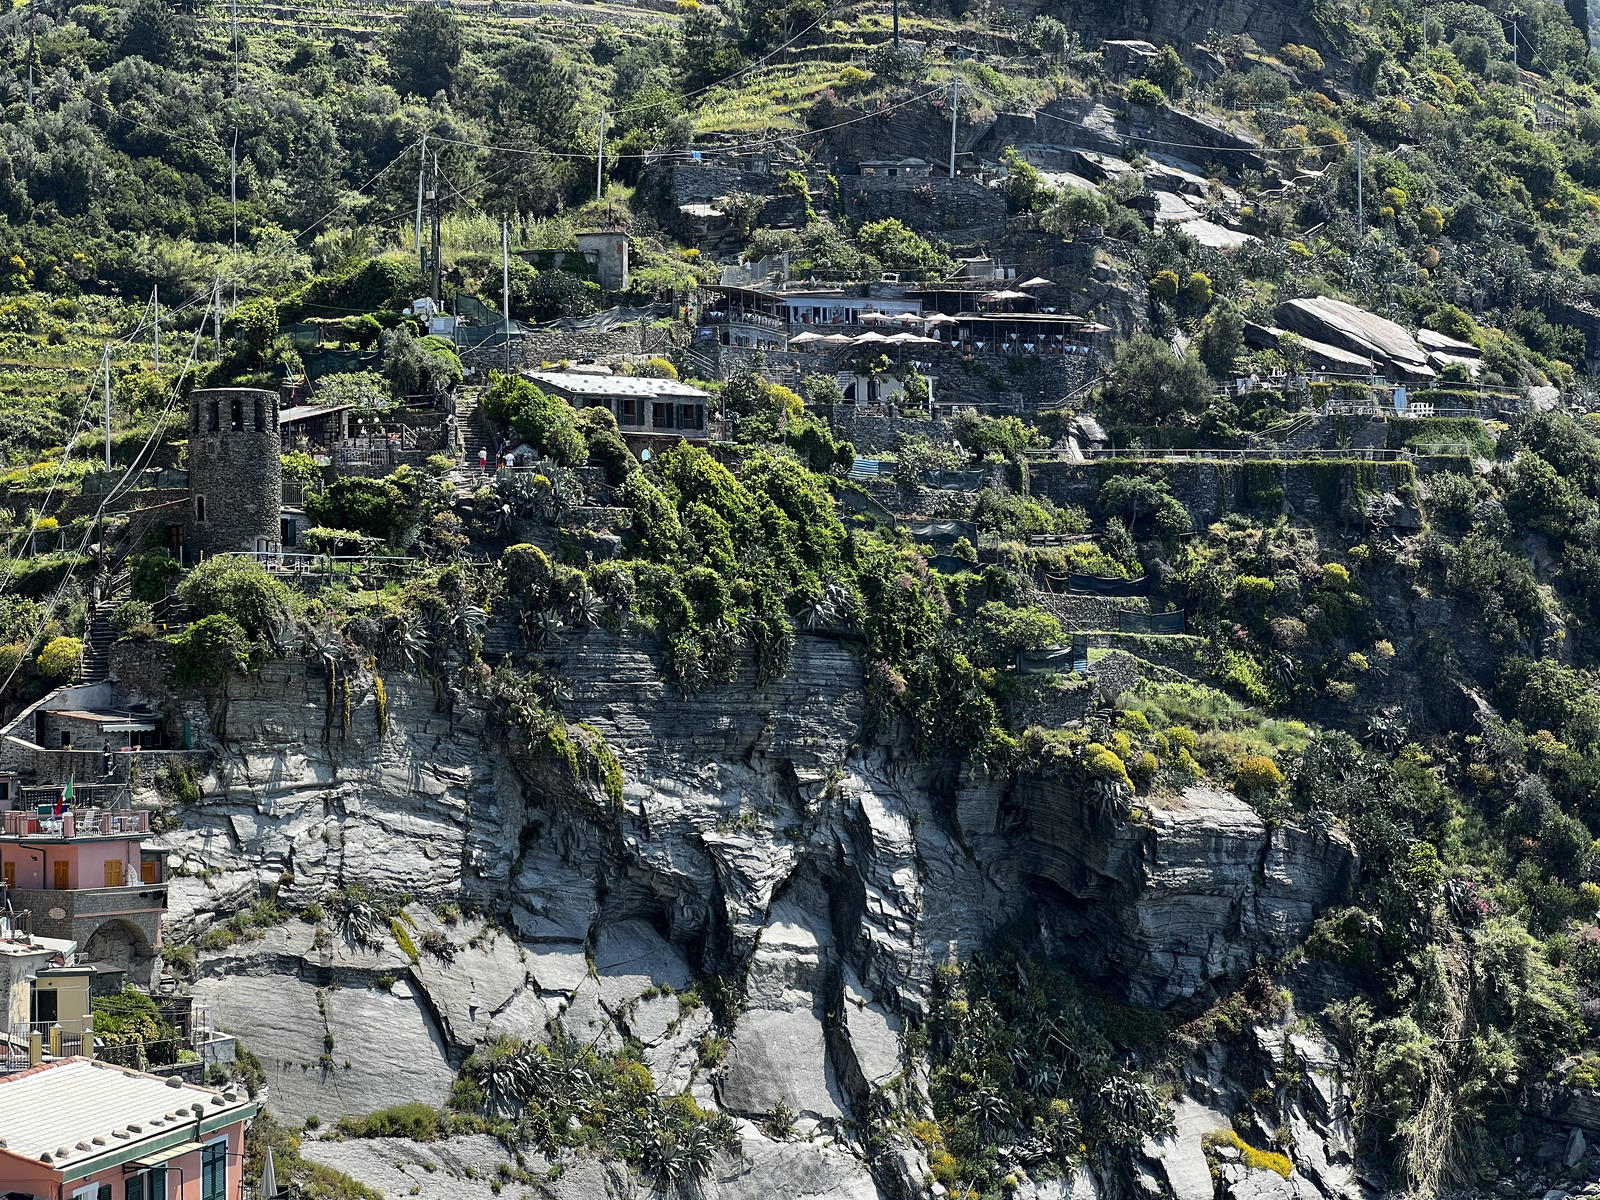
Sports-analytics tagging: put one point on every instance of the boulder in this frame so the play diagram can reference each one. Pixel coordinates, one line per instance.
(631, 958)
(795, 1171)
(1354, 329)
(1127, 59)
(1440, 343)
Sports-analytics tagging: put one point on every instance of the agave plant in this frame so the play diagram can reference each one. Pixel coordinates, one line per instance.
(549, 627)
(1284, 668)
(509, 1076)
(409, 641)
(1386, 731)
(990, 1107)
(521, 497)
(326, 649)
(358, 918)
(587, 608)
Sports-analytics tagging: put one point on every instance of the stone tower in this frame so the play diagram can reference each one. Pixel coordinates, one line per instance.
(235, 472)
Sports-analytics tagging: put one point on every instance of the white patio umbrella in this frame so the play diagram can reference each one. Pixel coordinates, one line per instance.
(269, 1178)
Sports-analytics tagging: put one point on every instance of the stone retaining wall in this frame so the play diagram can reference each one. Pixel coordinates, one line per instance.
(1209, 489)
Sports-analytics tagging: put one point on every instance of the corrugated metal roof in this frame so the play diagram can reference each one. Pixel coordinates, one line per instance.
(57, 1107)
(302, 412)
(615, 385)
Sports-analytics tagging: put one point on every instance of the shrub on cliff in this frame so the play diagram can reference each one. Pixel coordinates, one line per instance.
(241, 589)
(60, 657)
(207, 652)
(1150, 384)
(546, 422)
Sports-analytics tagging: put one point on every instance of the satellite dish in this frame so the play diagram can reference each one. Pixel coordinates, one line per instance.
(644, 455)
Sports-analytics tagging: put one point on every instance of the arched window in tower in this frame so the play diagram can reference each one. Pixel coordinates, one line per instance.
(238, 414)
(200, 509)
(261, 417)
(214, 419)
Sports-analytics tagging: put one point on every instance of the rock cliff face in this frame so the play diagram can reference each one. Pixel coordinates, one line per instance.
(761, 838)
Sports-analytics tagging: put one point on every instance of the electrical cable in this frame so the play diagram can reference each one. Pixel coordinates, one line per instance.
(117, 490)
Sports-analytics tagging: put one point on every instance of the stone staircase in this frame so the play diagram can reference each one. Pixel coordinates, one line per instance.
(100, 633)
(475, 432)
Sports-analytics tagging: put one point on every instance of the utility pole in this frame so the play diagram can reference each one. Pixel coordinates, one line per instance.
(216, 314)
(438, 238)
(233, 195)
(1361, 207)
(31, 11)
(1514, 61)
(600, 159)
(422, 167)
(107, 367)
(955, 95)
(505, 283)
(897, 24)
(156, 297)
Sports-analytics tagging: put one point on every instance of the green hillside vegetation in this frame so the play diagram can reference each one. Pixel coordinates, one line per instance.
(1470, 937)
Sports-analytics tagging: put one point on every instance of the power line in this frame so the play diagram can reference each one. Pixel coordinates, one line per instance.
(111, 495)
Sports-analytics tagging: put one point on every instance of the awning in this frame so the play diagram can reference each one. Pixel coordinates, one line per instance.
(1036, 281)
(163, 1156)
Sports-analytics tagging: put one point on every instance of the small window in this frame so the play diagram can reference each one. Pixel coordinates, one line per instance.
(237, 407)
(66, 740)
(661, 416)
(214, 424)
(261, 417)
(200, 509)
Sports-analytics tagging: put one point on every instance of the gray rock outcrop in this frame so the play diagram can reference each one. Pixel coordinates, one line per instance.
(760, 837)
(1354, 329)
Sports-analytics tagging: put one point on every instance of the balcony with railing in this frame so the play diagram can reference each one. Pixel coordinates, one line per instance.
(193, 1033)
(41, 821)
(193, 1038)
(738, 316)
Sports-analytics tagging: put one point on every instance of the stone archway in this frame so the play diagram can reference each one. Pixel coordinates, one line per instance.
(121, 945)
